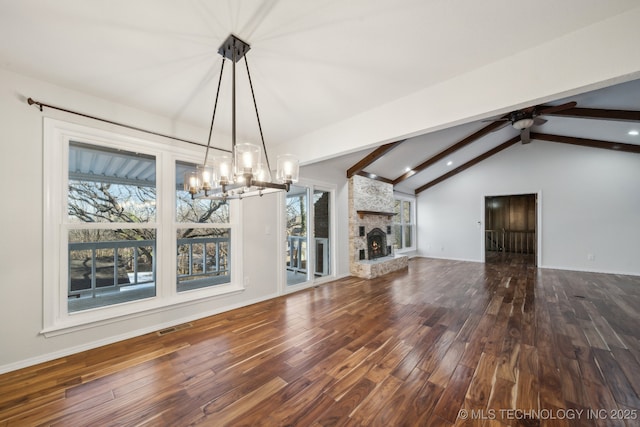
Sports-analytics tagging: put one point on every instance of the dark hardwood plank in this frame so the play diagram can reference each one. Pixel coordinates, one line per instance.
(483, 379)
(410, 348)
(449, 404)
(615, 377)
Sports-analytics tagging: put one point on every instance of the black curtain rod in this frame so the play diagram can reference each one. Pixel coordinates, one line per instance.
(41, 105)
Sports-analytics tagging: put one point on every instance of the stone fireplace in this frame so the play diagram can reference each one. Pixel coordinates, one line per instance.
(371, 235)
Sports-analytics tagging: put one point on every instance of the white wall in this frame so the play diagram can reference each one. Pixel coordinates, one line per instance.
(590, 204)
(21, 252)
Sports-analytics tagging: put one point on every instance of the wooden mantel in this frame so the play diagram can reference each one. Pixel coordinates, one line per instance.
(363, 213)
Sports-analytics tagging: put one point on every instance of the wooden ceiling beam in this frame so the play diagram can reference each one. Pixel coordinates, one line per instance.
(585, 142)
(598, 113)
(469, 164)
(372, 157)
(455, 147)
(374, 176)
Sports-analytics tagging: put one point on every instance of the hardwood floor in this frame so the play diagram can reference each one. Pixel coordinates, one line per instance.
(444, 343)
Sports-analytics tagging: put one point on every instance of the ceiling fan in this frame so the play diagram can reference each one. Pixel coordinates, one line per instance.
(524, 119)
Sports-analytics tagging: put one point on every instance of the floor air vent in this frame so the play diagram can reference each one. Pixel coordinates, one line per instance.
(174, 329)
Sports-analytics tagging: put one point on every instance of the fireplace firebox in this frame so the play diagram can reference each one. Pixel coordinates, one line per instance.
(376, 244)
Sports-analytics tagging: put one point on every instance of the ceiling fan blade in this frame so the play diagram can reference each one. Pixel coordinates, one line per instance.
(502, 125)
(501, 119)
(525, 135)
(554, 108)
(539, 121)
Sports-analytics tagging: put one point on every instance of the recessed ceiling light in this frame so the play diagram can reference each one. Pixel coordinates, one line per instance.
(449, 163)
(634, 132)
(407, 169)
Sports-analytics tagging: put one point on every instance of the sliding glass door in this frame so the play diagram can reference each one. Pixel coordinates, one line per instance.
(297, 235)
(308, 230)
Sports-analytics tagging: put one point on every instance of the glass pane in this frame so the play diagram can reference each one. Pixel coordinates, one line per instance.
(321, 228)
(107, 185)
(204, 256)
(109, 267)
(408, 241)
(406, 212)
(396, 209)
(197, 210)
(297, 208)
(397, 234)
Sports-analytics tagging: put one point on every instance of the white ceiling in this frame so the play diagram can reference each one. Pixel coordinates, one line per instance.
(313, 62)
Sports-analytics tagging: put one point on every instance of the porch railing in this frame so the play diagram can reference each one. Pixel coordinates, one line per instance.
(199, 263)
(87, 274)
(100, 266)
(521, 242)
(297, 255)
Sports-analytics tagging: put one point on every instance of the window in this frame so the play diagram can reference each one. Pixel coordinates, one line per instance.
(111, 209)
(404, 223)
(203, 252)
(120, 235)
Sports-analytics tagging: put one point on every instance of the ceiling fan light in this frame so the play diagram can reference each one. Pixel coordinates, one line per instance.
(523, 123)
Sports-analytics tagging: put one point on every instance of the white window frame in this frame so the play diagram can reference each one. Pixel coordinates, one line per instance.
(412, 200)
(56, 318)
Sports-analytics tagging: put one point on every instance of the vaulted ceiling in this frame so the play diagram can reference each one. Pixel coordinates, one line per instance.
(607, 118)
(319, 64)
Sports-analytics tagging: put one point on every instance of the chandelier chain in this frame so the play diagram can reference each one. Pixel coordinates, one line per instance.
(255, 105)
(213, 117)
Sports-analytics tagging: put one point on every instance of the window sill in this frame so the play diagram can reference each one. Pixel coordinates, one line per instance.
(114, 314)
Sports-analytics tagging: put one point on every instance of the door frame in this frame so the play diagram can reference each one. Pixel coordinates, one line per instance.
(482, 222)
(311, 250)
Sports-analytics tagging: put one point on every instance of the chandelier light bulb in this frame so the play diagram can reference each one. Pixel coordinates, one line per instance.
(205, 173)
(191, 182)
(247, 158)
(288, 168)
(222, 170)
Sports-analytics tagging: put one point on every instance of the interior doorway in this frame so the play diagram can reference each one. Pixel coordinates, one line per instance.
(511, 234)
